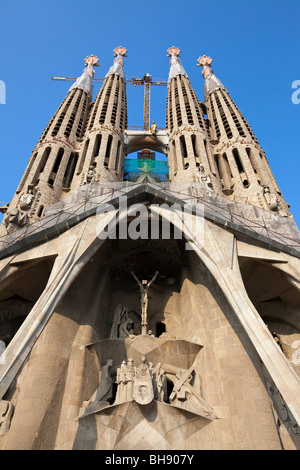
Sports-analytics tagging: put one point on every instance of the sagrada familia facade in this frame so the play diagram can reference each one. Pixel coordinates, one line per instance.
(113, 339)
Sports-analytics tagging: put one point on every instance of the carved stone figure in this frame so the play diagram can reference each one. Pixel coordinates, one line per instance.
(125, 381)
(15, 219)
(185, 396)
(271, 199)
(119, 315)
(160, 383)
(104, 393)
(26, 199)
(143, 387)
(144, 288)
(130, 372)
(126, 329)
(123, 325)
(203, 177)
(121, 382)
(90, 176)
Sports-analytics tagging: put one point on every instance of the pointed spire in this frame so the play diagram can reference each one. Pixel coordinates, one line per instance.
(175, 64)
(85, 81)
(118, 65)
(212, 83)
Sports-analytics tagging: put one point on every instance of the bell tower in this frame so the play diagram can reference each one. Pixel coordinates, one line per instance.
(242, 164)
(83, 142)
(102, 150)
(190, 152)
(51, 167)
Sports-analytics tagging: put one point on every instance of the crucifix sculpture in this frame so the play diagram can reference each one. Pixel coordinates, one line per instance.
(144, 287)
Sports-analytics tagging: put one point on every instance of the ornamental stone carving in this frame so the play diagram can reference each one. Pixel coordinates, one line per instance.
(15, 219)
(123, 325)
(145, 383)
(271, 199)
(27, 198)
(203, 177)
(143, 388)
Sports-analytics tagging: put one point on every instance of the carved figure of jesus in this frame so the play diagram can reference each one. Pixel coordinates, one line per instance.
(144, 287)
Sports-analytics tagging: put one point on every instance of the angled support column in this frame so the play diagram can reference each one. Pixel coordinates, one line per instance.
(67, 266)
(217, 249)
(220, 257)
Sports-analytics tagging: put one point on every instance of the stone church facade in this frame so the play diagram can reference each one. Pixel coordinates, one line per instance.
(149, 315)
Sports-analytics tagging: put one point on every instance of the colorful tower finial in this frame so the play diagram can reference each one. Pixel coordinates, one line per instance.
(173, 51)
(205, 62)
(84, 82)
(118, 65)
(120, 51)
(175, 64)
(212, 83)
(91, 60)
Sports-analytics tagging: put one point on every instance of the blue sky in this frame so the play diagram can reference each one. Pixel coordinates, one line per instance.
(255, 46)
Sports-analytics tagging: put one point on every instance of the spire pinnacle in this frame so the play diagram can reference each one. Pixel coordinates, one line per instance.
(175, 64)
(84, 82)
(212, 83)
(118, 65)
